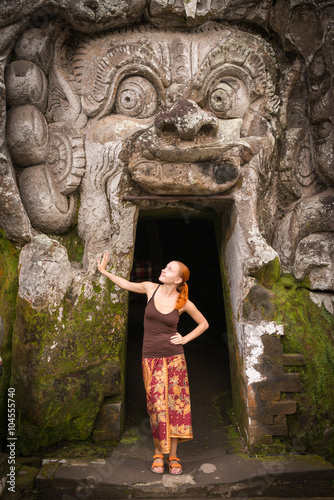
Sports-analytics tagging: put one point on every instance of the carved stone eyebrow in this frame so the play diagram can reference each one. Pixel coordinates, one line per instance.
(235, 58)
(137, 57)
(238, 56)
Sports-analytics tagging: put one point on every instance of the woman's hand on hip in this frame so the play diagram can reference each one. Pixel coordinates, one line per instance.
(176, 339)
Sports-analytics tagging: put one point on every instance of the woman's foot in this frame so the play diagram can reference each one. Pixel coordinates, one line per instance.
(175, 468)
(158, 465)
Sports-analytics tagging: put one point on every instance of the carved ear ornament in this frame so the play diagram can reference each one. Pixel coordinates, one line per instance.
(66, 157)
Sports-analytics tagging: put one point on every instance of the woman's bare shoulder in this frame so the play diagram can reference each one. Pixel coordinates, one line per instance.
(188, 306)
(150, 286)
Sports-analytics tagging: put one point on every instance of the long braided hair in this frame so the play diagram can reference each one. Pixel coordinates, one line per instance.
(183, 287)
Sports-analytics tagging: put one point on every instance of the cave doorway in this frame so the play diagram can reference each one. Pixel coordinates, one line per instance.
(194, 242)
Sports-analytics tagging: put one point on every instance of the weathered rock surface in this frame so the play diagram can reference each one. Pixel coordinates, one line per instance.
(45, 273)
(13, 217)
(27, 135)
(109, 107)
(65, 355)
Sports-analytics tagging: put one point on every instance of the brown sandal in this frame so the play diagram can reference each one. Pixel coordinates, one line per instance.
(156, 464)
(172, 466)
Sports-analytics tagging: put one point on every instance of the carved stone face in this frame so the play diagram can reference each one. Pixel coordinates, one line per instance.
(193, 105)
(182, 112)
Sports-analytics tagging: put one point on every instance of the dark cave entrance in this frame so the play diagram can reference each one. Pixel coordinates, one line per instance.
(194, 242)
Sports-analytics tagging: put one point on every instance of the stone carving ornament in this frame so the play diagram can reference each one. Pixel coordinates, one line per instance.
(102, 103)
(186, 113)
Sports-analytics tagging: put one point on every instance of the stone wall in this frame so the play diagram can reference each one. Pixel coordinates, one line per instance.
(109, 108)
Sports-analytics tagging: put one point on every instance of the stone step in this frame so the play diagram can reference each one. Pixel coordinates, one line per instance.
(227, 476)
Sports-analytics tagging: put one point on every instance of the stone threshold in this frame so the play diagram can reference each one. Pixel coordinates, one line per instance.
(226, 476)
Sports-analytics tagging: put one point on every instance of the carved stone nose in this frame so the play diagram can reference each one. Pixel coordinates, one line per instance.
(186, 120)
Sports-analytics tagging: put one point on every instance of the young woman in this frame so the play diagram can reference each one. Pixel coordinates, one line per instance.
(164, 366)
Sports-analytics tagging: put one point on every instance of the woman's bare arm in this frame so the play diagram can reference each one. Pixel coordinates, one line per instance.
(197, 316)
(143, 287)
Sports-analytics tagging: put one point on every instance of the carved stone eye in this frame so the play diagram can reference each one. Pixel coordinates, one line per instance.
(221, 98)
(229, 98)
(137, 97)
(323, 130)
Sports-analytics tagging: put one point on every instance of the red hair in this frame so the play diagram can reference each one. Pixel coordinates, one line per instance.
(183, 287)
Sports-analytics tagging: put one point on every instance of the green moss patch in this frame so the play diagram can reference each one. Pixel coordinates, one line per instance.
(9, 255)
(77, 450)
(25, 479)
(64, 364)
(73, 244)
(309, 331)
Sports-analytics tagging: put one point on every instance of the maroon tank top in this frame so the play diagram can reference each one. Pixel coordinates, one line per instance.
(158, 328)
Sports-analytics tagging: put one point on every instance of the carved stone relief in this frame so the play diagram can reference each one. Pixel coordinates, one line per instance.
(130, 99)
(194, 100)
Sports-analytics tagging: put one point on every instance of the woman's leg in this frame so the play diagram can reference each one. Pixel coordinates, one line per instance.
(157, 468)
(173, 447)
(150, 366)
(173, 453)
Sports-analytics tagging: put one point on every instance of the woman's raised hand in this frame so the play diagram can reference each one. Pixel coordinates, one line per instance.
(101, 265)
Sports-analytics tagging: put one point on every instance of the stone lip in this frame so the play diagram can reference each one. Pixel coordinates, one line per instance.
(208, 473)
(184, 178)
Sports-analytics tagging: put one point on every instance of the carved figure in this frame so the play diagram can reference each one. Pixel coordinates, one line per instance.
(183, 106)
(184, 116)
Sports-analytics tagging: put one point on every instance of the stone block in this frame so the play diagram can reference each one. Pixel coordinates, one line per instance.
(280, 408)
(32, 461)
(272, 346)
(9, 495)
(46, 474)
(271, 360)
(268, 391)
(259, 435)
(25, 479)
(259, 304)
(290, 383)
(271, 368)
(268, 413)
(108, 423)
(113, 378)
(279, 426)
(293, 360)
(266, 419)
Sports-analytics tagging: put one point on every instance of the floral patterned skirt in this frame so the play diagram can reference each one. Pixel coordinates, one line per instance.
(168, 399)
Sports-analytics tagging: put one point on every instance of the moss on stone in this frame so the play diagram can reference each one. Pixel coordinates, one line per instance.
(259, 304)
(78, 450)
(309, 331)
(25, 479)
(32, 461)
(48, 470)
(9, 255)
(63, 365)
(262, 450)
(132, 436)
(269, 273)
(73, 244)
